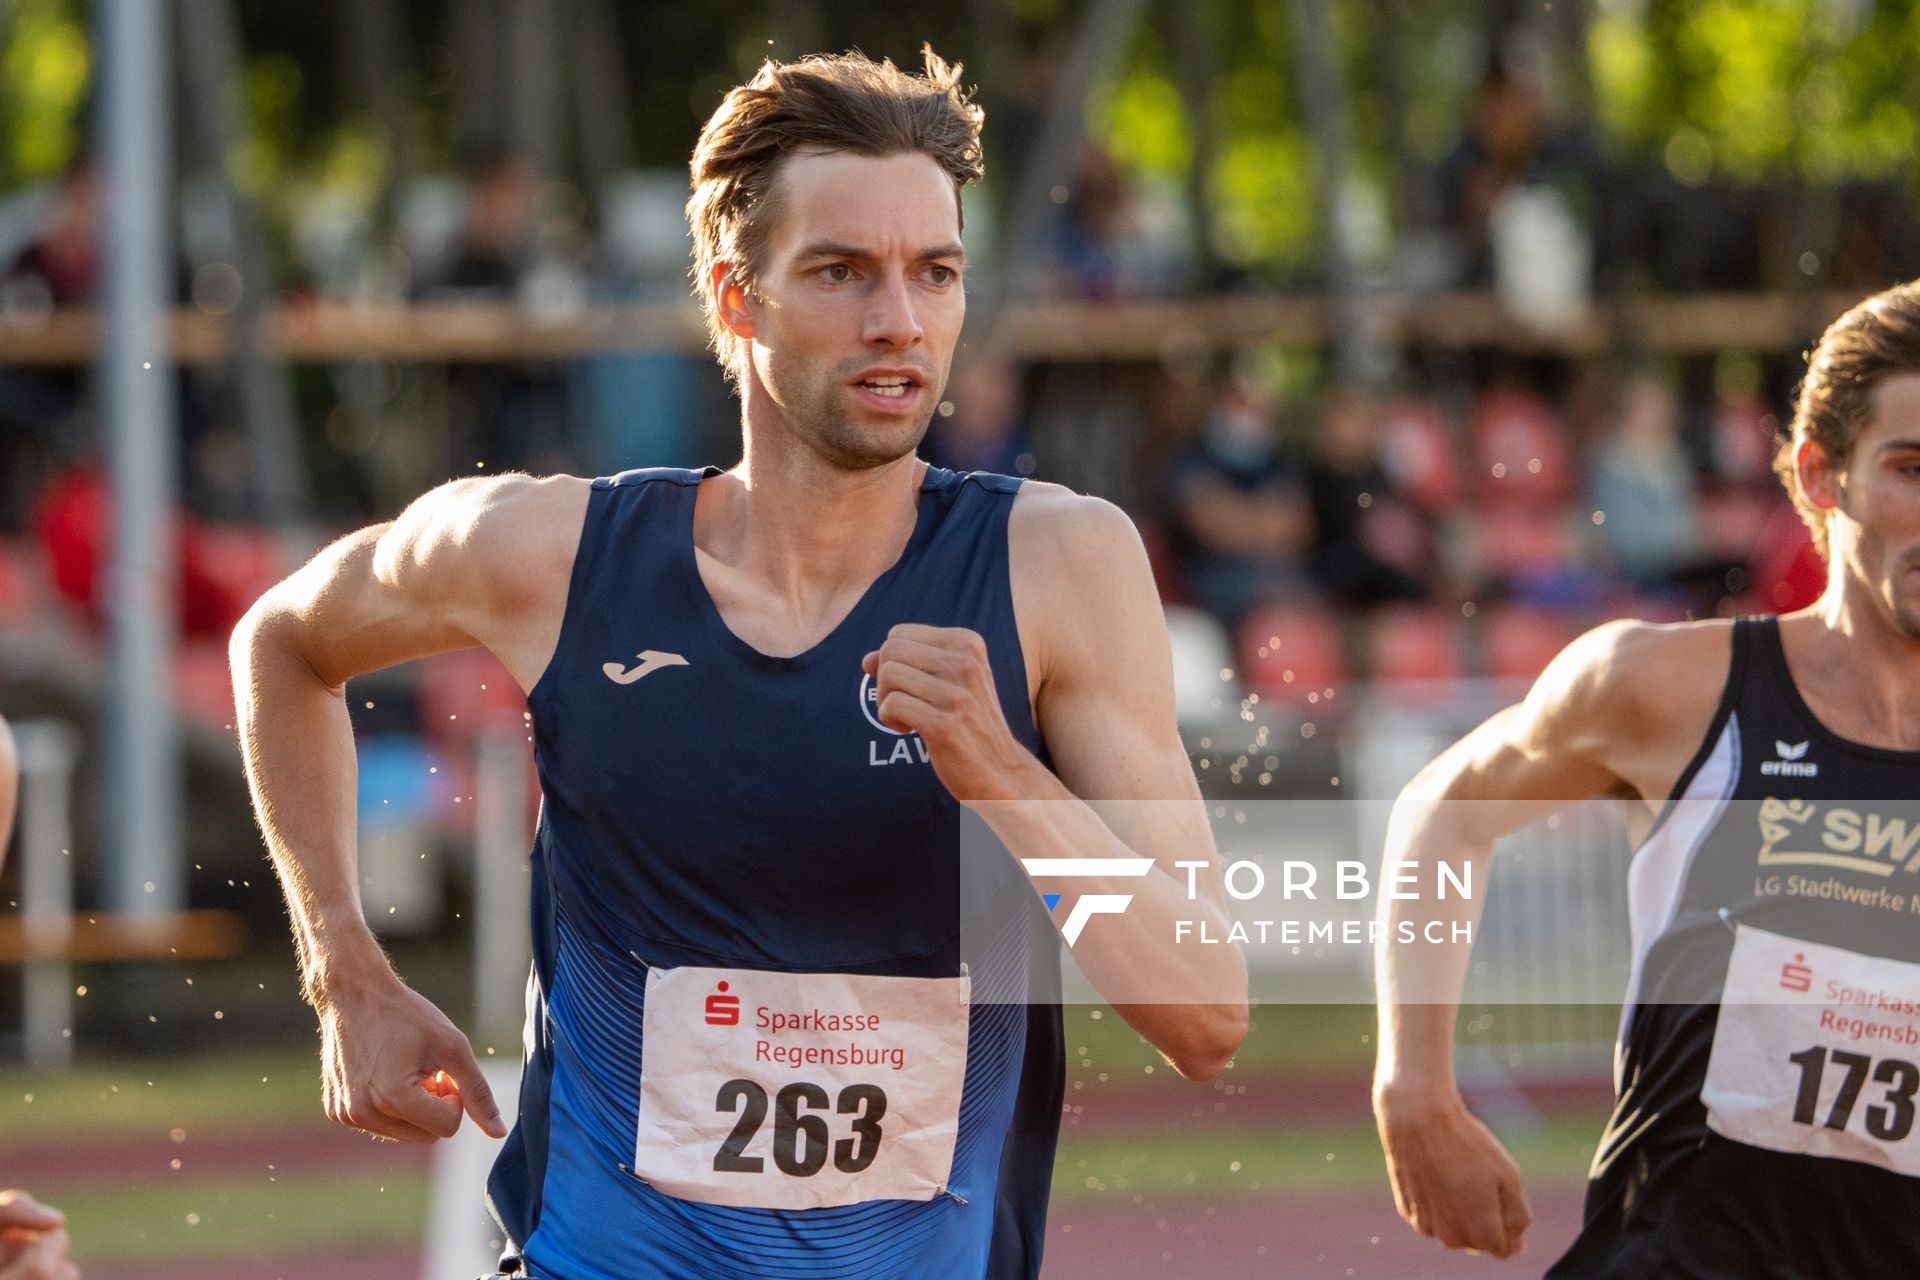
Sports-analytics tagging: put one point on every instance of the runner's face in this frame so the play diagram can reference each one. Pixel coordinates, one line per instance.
(1877, 524)
(859, 302)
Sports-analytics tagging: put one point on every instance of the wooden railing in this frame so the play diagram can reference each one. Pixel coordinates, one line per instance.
(92, 936)
(313, 332)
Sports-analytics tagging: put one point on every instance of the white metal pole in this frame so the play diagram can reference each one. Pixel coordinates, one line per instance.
(135, 381)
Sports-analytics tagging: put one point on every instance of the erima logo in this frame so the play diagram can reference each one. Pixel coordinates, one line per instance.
(651, 660)
(1793, 762)
(1088, 905)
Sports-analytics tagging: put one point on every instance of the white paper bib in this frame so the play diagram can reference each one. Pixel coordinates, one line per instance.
(774, 1090)
(1817, 1052)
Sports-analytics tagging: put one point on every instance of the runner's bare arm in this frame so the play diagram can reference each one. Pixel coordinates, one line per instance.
(1608, 717)
(473, 562)
(1105, 708)
(9, 784)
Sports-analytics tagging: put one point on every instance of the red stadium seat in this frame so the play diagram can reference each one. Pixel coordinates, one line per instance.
(1292, 652)
(1517, 642)
(1415, 644)
(223, 569)
(70, 522)
(1420, 454)
(1519, 448)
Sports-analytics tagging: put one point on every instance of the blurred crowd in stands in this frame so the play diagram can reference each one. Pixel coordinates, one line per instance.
(1457, 513)
(1427, 537)
(1439, 512)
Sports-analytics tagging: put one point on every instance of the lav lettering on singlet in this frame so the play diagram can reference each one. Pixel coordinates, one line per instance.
(904, 751)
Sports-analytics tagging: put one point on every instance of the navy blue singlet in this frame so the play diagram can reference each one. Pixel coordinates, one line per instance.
(744, 811)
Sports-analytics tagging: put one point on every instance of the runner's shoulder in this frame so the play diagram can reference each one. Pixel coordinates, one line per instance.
(512, 535)
(1068, 530)
(1649, 679)
(1082, 586)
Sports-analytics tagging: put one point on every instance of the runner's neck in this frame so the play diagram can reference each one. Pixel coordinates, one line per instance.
(1855, 670)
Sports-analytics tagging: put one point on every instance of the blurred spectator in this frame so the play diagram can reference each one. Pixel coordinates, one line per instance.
(58, 268)
(1742, 429)
(1739, 493)
(61, 266)
(1103, 246)
(1878, 237)
(1642, 482)
(509, 416)
(46, 412)
(495, 248)
(1241, 510)
(983, 433)
(39, 406)
(1086, 236)
(1369, 547)
(1514, 174)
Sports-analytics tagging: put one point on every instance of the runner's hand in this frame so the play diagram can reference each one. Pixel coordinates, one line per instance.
(33, 1240)
(1452, 1179)
(392, 1064)
(937, 682)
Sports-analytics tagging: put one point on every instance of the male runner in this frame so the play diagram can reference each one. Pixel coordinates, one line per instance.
(1766, 1065)
(759, 697)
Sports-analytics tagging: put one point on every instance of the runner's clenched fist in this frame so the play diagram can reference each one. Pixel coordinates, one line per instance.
(936, 682)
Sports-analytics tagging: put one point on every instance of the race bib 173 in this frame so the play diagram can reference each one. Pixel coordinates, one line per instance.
(1817, 1052)
(799, 1090)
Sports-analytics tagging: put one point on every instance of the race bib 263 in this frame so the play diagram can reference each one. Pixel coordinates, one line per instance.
(799, 1090)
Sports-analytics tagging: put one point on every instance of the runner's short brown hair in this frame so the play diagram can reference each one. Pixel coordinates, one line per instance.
(842, 102)
(1878, 338)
